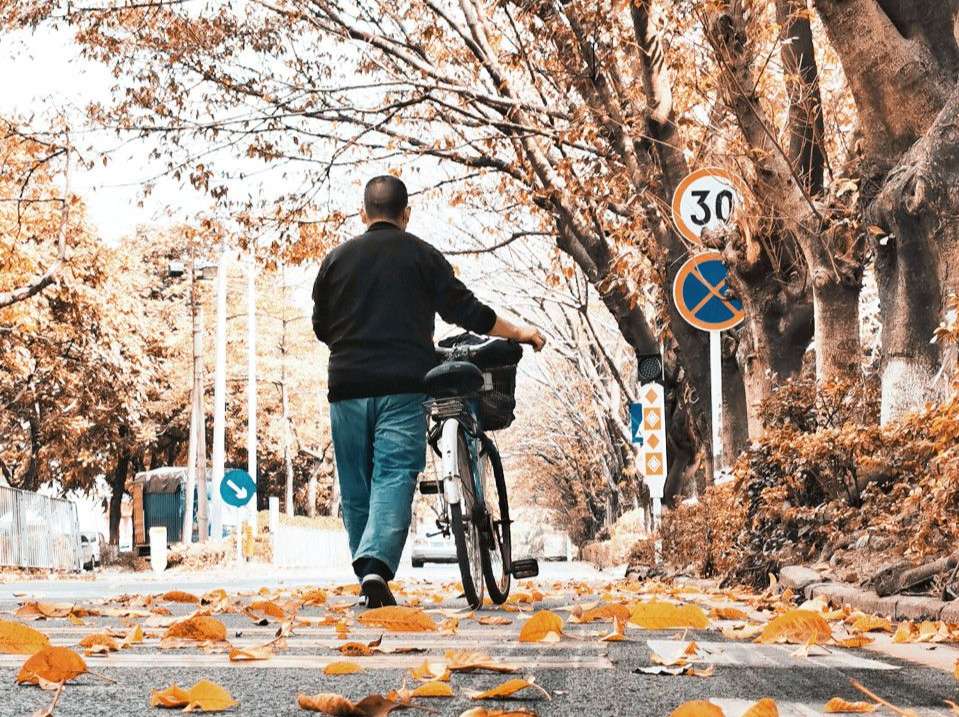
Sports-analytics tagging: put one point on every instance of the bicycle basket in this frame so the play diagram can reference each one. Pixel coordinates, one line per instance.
(497, 398)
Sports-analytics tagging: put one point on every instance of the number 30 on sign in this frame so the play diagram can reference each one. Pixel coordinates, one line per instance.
(705, 199)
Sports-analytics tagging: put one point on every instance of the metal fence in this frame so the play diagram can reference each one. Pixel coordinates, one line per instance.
(37, 531)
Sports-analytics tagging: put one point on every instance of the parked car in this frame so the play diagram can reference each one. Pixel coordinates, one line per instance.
(431, 549)
(91, 547)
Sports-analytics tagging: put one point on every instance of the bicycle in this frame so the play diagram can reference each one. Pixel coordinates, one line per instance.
(471, 393)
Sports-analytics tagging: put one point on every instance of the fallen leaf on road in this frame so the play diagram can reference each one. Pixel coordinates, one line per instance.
(658, 615)
(133, 637)
(36, 610)
(544, 626)
(339, 706)
(397, 618)
(268, 607)
(17, 639)
(728, 613)
(52, 664)
(871, 623)
(697, 708)
(873, 696)
(204, 696)
(617, 634)
(99, 640)
(341, 668)
(430, 672)
(314, 597)
(837, 705)
(510, 688)
(472, 660)
(433, 689)
(798, 627)
(449, 626)
(179, 596)
(361, 649)
(766, 707)
(861, 641)
(494, 620)
(250, 654)
(609, 613)
(198, 627)
(483, 712)
(742, 632)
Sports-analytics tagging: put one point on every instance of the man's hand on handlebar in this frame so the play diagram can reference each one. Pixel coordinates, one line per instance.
(523, 333)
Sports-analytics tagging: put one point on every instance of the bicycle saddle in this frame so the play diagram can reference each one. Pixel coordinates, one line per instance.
(453, 378)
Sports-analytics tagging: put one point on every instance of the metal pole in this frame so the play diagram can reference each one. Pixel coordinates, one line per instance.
(186, 535)
(716, 391)
(219, 394)
(202, 509)
(251, 443)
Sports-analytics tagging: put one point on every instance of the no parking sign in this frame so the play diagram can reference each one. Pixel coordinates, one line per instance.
(700, 293)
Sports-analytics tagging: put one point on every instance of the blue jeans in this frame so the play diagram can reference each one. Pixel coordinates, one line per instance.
(380, 448)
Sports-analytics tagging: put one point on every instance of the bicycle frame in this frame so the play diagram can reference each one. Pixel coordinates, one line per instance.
(449, 448)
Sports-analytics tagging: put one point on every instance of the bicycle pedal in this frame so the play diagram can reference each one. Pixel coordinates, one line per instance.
(431, 487)
(525, 568)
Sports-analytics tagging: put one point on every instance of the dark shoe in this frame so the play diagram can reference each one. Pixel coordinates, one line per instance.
(376, 592)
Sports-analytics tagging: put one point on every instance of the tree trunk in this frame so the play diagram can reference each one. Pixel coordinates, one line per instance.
(735, 415)
(837, 331)
(118, 482)
(917, 265)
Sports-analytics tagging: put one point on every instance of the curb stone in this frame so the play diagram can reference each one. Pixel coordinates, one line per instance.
(895, 607)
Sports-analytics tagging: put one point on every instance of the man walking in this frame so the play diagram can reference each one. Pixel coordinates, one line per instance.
(374, 304)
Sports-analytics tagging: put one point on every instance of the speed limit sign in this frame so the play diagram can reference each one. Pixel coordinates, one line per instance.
(704, 200)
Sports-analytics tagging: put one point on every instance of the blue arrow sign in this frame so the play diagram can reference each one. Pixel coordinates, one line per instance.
(636, 422)
(237, 488)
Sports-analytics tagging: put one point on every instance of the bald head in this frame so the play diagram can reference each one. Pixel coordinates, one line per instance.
(386, 199)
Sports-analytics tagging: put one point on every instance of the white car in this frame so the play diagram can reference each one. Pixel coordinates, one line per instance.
(432, 548)
(91, 550)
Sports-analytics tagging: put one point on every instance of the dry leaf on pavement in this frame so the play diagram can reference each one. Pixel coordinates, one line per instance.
(798, 627)
(397, 618)
(17, 639)
(179, 596)
(483, 712)
(430, 672)
(204, 696)
(53, 665)
(472, 660)
(608, 613)
(510, 688)
(250, 654)
(697, 708)
(544, 626)
(766, 707)
(657, 615)
(837, 705)
(341, 668)
(433, 689)
(201, 628)
(494, 620)
(339, 706)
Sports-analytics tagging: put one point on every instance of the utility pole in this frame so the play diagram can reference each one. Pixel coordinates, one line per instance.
(192, 453)
(284, 397)
(251, 442)
(219, 393)
(202, 509)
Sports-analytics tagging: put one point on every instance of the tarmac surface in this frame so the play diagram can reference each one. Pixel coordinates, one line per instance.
(583, 675)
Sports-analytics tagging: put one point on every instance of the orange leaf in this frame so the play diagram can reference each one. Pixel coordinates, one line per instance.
(609, 613)
(179, 596)
(207, 696)
(172, 696)
(250, 654)
(357, 649)
(198, 627)
(339, 706)
(396, 618)
(837, 705)
(766, 707)
(510, 688)
(52, 664)
(728, 613)
(697, 708)
(872, 623)
(483, 712)
(430, 672)
(494, 620)
(99, 640)
(134, 637)
(472, 660)
(544, 626)
(17, 639)
(341, 668)
(433, 689)
(799, 627)
(854, 641)
(658, 615)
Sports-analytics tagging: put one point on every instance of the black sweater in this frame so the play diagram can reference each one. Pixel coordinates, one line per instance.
(374, 303)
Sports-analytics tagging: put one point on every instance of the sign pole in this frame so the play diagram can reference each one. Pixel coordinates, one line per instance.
(716, 394)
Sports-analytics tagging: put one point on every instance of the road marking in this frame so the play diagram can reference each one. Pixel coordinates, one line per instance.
(776, 656)
(284, 661)
(736, 707)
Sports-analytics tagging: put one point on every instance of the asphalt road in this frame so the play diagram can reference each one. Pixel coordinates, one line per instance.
(583, 676)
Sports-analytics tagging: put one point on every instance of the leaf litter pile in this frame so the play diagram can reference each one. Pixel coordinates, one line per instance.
(180, 621)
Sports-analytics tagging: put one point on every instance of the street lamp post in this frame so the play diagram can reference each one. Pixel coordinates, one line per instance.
(219, 394)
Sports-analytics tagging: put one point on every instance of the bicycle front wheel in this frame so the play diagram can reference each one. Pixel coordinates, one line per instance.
(466, 532)
(497, 547)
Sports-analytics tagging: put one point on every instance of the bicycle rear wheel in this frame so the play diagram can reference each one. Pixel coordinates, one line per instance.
(466, 532)
(497, 546)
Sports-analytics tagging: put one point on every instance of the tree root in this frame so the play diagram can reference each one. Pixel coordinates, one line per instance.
(894, 579)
